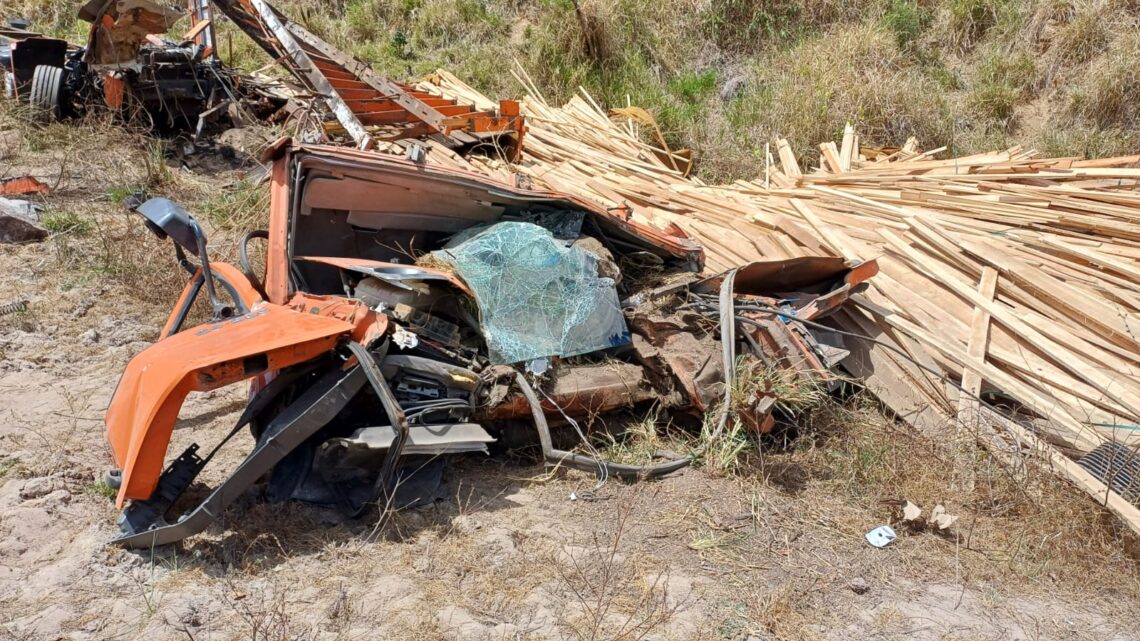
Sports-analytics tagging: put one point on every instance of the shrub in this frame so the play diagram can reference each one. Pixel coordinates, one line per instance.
(807, 98)
(1003, 80)
(907, 20)
(66, 222)
(969, 20)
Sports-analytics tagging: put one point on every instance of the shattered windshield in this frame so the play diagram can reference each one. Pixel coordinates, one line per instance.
(537, 297)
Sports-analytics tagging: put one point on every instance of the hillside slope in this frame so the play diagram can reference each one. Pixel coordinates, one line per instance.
(725, 76)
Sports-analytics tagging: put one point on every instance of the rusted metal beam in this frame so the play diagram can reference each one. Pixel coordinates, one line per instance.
(586, 390)
(308, 68)
(392, 90)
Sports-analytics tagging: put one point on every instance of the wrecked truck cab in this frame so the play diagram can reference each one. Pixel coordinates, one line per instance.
(411, 312)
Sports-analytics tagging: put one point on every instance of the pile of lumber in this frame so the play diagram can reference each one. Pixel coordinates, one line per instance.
(1003, 274)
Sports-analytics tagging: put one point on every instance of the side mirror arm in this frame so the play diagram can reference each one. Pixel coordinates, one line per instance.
(167, 220)
(220, 310)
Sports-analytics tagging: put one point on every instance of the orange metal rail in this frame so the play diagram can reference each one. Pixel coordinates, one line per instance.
(363, 100)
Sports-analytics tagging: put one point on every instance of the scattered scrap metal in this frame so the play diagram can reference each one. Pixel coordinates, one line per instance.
(22, 186)
(126, 65)
(14, 307)
(366, 106)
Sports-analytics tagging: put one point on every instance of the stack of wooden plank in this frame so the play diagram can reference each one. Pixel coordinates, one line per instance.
(1003, 274)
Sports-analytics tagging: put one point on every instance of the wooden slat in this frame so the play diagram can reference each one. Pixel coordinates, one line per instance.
(976, 346)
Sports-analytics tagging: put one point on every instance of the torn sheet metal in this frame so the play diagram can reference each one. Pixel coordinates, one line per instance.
(367, 106)
(22, 186)
(121, 29)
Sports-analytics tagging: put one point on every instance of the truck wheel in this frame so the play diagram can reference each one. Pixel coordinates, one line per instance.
(47, 83)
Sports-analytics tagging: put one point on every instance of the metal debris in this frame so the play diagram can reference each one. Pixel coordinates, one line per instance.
(367, 107)
(14, 307)
(22, 186)
(375, 362)
(20, 221)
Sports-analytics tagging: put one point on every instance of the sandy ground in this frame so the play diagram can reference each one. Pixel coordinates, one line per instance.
(510, 555)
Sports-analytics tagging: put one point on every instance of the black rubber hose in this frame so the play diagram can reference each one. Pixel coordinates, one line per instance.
(586, 463)
(243, 257)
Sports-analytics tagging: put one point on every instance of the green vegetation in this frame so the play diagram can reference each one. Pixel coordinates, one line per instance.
(907, 19)
(101, 490)
(724, 77)
(66, 222)
(1004, 80)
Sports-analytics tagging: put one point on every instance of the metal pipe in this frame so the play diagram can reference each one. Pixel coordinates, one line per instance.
(586, 463)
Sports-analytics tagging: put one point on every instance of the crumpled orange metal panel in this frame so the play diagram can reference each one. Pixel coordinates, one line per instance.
(150, 393)
(114, 90)
(22, 186)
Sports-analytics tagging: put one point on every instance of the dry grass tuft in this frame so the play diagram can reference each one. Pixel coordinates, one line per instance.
(1004, 80)
(1085, 35)
(1109, 94)
(806, 98)
(606, 594)
(239, 207)
(968, 21)
(92, 164)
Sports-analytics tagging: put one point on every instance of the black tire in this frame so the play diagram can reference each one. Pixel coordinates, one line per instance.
(44, 97)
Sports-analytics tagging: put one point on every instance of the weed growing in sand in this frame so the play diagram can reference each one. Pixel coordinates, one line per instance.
(265, 615)
(634, 446)
(10, 467)
(723, 442)
(67, 222)
(116, 195)
(608, 597)
(706, 538)
(100, 490)
(720, 450)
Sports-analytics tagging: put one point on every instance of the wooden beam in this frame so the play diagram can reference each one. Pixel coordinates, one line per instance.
(977, 345)
(847, 149)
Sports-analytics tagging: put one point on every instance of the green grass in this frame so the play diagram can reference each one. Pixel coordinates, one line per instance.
(67, 222)
(9, 467)
(742, 25)
(1105, 96)
(1004, 80)
(100, 490)
(907, 20)
(116, 195)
